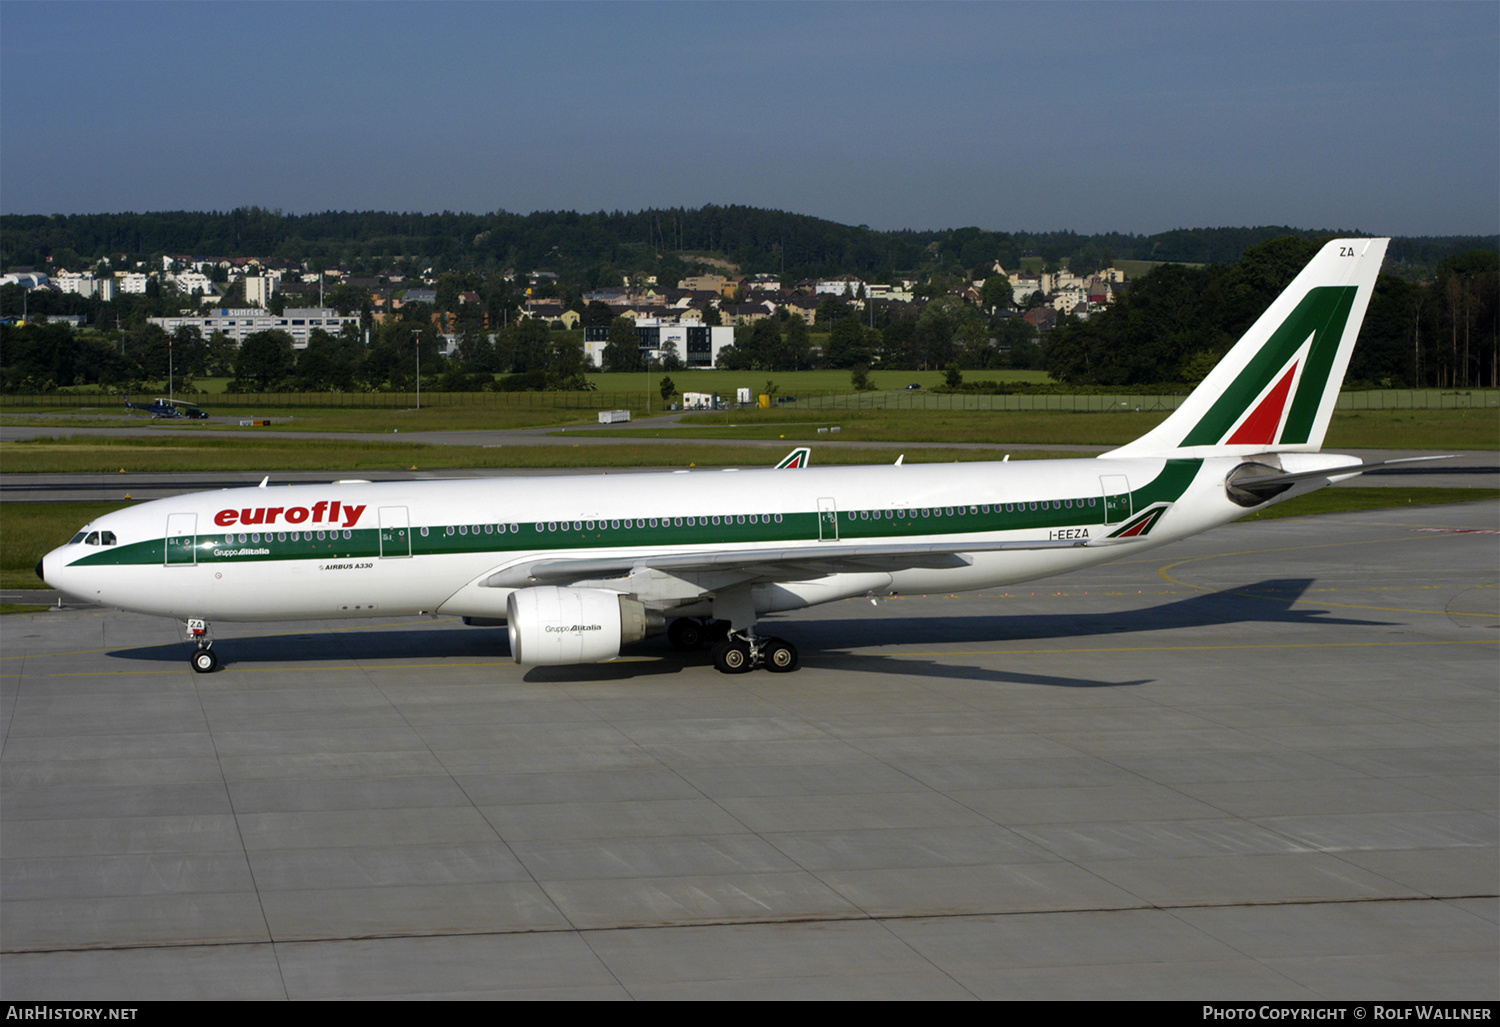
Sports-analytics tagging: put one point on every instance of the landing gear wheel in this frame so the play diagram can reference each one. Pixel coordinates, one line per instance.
(732, 656)
(779, 655)
(205, 661)
(685, 634)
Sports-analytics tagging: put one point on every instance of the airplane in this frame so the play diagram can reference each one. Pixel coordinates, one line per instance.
(796, 459)
(579, 567)
(170, 408)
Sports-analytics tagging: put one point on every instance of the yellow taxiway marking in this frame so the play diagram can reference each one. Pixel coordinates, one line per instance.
(377, 667)
(1186, 648)
(279, 634)
(283, 669)
(1162, 572)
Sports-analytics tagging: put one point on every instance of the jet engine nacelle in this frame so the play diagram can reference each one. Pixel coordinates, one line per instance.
(550, 626)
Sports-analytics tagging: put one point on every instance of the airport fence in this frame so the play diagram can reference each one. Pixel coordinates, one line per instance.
(898, 399)
(354, 400)
(1371, 399)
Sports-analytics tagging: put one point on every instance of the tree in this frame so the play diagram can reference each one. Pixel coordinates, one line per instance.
(936, 327)
(528, 342)
(346, 298)
(189, 351)
(566, 362)
(597, 314)
(328, 364)
(476, 353)
(264, 362)
(796, 345)
(997, 293)
(220, 358)
(832, 310)
(847, 346)
(622, 350)
(762, 344)
(667, 387)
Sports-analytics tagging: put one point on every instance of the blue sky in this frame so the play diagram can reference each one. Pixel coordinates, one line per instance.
(1132, 117)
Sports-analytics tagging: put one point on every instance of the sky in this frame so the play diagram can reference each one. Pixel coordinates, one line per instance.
(1132, 117)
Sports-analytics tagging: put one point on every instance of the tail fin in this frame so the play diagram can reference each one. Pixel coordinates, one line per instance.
(799, 457)
(1275, 390)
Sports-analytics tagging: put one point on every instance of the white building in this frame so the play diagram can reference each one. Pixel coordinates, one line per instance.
(698, 346)
(239, 324)
(258, 290)
(79, 283)
(191, 283)
(1065, 301)
(900, 293)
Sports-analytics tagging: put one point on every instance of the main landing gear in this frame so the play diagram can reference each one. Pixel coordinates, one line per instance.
(204, 660)
(735, 652)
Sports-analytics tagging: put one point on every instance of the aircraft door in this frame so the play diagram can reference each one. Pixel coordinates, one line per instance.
(1116, 497)
(395, 532)
(182, 540)
(828, 521)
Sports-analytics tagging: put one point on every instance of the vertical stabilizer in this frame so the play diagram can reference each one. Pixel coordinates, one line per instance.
(1276, 389)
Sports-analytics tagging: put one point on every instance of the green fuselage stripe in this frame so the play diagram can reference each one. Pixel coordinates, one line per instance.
(885, 525)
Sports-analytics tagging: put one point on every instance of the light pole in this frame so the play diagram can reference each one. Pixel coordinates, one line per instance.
(417, 337)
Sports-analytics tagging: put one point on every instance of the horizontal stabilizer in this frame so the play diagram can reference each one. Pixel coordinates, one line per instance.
(1251, 484)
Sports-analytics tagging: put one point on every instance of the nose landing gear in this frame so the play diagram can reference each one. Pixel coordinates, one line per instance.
(204, 660)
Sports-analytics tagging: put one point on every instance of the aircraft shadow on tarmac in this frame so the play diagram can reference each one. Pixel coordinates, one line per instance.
(1269, 601)
(824, 642)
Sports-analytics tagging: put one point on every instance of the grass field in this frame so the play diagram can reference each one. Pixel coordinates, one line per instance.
(31, 530)
(333, 419)
(191, 448)
(211, 390)
(89, 455)
(1468, 429)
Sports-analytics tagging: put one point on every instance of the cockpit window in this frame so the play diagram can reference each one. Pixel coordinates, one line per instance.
(106, 538)
(93, 538)
(77, 538)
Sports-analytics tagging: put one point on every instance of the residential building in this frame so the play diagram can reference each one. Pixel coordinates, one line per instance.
(258, 290)
(79, 283)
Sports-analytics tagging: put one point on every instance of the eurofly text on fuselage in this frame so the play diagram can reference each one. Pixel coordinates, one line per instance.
(579, 566)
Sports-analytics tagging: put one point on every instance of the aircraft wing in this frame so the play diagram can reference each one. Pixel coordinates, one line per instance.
(785, 564)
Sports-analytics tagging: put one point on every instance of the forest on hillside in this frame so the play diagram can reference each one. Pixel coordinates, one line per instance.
(592, 250)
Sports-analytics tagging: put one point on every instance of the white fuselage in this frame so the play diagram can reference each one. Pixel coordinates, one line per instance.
(400, 548)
